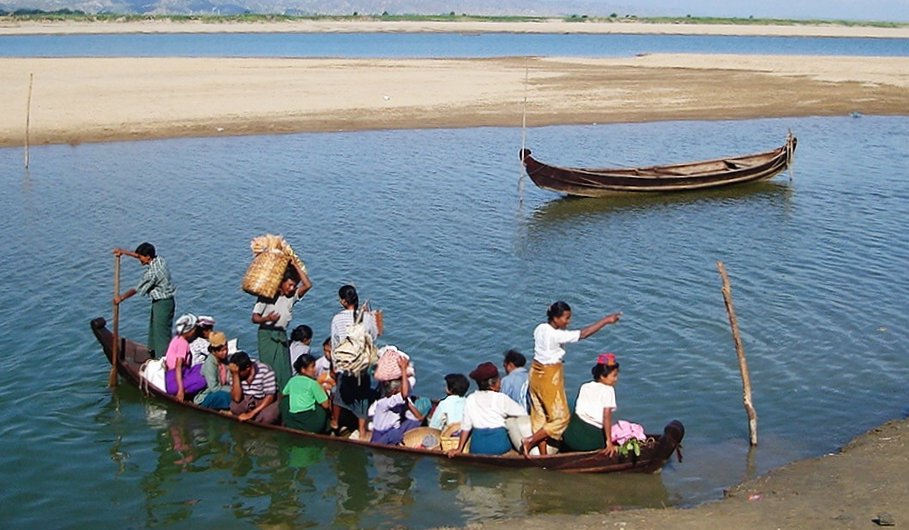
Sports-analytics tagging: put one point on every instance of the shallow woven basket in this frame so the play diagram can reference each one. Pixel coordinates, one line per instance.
(449, 441)
(265, 273)
(424, 437)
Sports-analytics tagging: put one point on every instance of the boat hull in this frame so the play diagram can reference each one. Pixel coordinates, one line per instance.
(690, 176)
(654, 453)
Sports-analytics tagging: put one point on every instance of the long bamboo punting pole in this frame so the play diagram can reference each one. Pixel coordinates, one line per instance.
(28, 116)
(523, 134)
(740, 351)
(115, 354)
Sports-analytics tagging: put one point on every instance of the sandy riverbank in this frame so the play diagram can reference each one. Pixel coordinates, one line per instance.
(852, 489)
(75, 100)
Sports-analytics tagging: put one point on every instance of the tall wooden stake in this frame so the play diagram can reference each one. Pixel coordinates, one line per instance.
(523, 134)
(28, 116)
(740, 351)
(115, 354)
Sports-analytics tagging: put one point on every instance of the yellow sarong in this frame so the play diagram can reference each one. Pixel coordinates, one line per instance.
(548, 402)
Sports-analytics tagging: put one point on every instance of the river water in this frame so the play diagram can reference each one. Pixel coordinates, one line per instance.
(396, 45)
(431, 227)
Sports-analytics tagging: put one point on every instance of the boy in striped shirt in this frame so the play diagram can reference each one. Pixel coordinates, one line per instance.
(253, 390)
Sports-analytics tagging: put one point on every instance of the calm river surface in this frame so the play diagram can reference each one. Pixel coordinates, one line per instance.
(430, 227)
(429, 45)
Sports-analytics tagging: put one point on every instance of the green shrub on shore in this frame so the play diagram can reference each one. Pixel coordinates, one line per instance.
(37, 15)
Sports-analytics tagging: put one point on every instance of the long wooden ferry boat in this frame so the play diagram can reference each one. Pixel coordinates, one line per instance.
(588, 182)
(655, 451)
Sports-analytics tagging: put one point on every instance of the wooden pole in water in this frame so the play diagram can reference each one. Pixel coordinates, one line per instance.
(740, 352)
(28, 116)
(115, 353)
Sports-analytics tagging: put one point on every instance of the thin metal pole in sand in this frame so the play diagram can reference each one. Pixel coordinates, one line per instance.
(740, 352)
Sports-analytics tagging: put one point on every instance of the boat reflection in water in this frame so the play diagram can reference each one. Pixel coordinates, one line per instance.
(204, 469)
(568, 207)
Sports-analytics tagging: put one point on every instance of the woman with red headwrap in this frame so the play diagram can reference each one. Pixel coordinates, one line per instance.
(590, 427)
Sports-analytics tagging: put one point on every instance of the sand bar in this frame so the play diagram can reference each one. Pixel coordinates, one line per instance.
(75, 100)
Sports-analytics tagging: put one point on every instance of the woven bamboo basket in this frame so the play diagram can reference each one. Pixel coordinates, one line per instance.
(265, 273)
(425, 437)
(451, 436)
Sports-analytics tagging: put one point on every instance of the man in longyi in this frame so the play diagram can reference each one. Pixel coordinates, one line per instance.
(157, 285)
(273, 315)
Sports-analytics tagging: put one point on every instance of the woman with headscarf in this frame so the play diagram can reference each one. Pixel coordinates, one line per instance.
(180, 378)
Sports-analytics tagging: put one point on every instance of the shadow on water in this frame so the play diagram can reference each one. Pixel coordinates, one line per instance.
(568, 207)
(201, 467)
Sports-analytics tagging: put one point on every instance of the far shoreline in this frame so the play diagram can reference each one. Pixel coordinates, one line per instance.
(366, 25)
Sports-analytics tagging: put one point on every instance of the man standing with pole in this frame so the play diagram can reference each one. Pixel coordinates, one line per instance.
(156, 284)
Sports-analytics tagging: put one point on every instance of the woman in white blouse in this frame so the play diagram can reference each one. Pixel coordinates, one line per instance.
(590, 427)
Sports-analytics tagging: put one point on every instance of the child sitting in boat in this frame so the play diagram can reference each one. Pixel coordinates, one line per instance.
(451, 409)
(300, 342)
(324, 373)
(590, 427)
(306, 406)
(389, 421)
(485, 412)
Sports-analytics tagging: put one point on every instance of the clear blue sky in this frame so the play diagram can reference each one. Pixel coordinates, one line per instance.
(886, 10)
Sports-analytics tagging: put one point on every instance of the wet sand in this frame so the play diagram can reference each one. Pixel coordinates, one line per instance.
(864, 483)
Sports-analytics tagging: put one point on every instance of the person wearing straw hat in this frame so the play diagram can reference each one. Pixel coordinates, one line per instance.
(216, 394)
(590, 427)
(485, 412)
(549, 414)
(273, 316)
(180, 379)
(157, 285)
